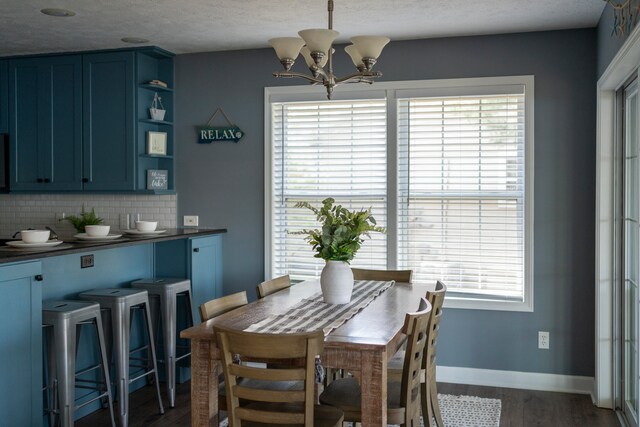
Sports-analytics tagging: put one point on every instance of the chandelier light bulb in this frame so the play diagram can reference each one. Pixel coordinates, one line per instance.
(318, 40)
(370, 46)
(287, 47)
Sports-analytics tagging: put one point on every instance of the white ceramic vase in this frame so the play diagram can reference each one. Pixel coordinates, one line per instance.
(336, 281)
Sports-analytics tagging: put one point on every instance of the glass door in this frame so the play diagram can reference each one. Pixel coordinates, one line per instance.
(630, 257)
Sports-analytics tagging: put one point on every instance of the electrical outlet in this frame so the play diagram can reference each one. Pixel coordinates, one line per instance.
(543, 340)
(86, 261)
(190, 220)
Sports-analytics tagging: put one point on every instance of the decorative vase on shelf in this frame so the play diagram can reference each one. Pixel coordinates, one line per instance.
(157, 110)
(336, 282)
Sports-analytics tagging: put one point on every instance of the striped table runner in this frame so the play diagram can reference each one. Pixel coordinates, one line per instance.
(312, 313)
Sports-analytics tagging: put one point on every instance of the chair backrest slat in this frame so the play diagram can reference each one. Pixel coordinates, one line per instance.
(218, 306)
(386, 275)
(243, 371)
(274, 285)
(269, 417)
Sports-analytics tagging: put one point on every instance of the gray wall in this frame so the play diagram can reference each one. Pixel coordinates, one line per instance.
(608, 45)
(224, 183)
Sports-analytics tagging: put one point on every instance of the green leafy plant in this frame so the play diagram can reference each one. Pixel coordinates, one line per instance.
(85, 218)
(342, 230)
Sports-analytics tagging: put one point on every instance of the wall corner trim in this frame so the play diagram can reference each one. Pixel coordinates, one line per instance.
(515, 379)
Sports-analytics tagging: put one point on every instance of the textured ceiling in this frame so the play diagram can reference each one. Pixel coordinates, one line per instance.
(197, 25)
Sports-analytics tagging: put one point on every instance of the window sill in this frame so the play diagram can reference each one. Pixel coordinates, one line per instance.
(487, 304)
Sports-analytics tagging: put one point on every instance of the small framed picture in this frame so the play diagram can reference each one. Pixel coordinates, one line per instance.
(157, 179)
(157, 143)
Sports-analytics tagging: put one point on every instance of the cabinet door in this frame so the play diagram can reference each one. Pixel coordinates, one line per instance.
(26, 116)
(63, 138)
(4, 97)
(206, 269)
(21, 332)
(46, 123)
(108, 99)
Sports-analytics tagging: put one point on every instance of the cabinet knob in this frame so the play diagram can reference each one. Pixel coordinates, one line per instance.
(39, 278)
(39, 180)
(85, 179)
(196, 250)
(47, 180)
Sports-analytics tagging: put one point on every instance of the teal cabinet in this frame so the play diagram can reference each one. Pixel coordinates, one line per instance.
(21, 332)
(81, 122)
(109, 121)
(205, 266)
(4, 97)
(45, 95)
(199, 259)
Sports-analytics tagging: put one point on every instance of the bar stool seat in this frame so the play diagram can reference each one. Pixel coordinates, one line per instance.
(119, 304)
(62, 320)
(166, 291)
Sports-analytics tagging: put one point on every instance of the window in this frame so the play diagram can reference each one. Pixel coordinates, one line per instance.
(446, 166)
(326, 149)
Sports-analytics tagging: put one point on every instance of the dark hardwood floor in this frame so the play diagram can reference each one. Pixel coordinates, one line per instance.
(520, 408)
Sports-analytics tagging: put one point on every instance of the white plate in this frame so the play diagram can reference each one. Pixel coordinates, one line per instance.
(23, 245)
(85, 236)
(144, 233)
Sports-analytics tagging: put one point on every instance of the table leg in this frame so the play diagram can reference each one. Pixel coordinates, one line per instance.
(204, 385)
(373, 383)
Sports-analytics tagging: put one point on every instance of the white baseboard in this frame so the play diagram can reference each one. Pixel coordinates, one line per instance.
(515, 379)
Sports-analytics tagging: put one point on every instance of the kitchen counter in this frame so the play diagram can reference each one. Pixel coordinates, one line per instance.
(9, 254)
(63, 272)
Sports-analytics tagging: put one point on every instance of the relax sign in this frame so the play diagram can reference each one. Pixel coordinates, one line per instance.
(207, 135)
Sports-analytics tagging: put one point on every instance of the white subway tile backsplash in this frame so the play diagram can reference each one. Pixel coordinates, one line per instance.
(21, 211)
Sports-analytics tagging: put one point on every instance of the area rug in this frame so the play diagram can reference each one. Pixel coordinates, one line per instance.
(462, 411)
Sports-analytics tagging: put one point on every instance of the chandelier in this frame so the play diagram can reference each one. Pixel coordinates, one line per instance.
(315, 46)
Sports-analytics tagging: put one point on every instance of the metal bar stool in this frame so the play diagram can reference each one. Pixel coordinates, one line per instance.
(166, 291)
(119, 304)
(62, 320)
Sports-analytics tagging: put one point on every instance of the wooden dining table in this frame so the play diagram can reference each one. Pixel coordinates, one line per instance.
(362, 345)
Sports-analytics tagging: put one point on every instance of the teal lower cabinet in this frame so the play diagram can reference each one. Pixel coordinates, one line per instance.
(200, 260)
(21, 344)
(205, 269)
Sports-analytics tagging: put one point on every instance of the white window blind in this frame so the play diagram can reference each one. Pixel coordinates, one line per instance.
(326, 149)
(461, 193)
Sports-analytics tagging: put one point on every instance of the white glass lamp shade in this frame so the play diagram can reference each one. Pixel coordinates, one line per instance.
(354, 54)
(287, 47)
(318, 40)
(370, 46)
(306, 53)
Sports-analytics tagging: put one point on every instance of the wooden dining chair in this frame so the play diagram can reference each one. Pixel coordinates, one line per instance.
(428, 387)
(403, 396)
(274, 285)
(218, 306)
(262, 405)
(382, 275)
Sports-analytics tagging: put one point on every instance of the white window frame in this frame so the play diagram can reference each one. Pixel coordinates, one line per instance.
(311, 93)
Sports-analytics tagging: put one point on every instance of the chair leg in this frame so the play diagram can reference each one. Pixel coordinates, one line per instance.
(425, 399)
(105, 367)
(434, 402)
(147, 318)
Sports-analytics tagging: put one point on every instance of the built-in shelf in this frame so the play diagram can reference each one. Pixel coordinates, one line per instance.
(154, 87)
(157, 122)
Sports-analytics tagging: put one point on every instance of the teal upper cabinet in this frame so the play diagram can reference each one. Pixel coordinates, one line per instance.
(109, 116)
(4, 97)
(45, 123)
(81, 122)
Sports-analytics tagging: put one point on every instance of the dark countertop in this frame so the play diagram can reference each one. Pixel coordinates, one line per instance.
(9, 254)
